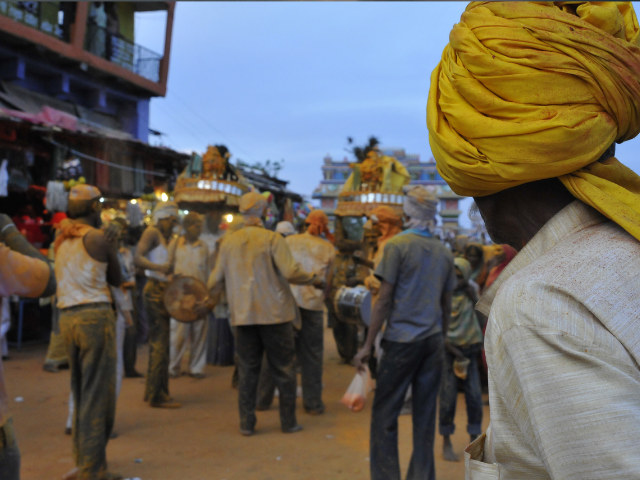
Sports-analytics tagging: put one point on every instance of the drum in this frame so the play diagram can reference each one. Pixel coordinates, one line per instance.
(181, 296)
(353, 304)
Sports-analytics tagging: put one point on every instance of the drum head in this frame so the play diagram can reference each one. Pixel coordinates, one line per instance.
(181, 296)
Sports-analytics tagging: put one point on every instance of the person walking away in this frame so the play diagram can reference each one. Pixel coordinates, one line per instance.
(314, 254)
(86, 264)
(462, 346)
(152, 254)
(189, 256)
(24, 271)
(534, 143)
(254, 267)
(417, 277)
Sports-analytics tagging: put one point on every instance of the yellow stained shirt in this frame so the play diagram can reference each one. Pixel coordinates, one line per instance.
(315, 255)
(257, 266)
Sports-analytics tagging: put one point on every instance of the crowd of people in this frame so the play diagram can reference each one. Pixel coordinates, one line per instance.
(530, 135)
(274, 287)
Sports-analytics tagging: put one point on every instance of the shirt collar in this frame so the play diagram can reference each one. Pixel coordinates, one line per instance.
(571, 219)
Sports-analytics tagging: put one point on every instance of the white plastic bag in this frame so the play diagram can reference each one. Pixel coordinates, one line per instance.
(356, 395)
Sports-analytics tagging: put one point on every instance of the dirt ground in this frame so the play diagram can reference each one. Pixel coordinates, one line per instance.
(200, 441)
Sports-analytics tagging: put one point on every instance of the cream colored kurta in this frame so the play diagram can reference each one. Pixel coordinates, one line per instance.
(563, 347)
(315, 255)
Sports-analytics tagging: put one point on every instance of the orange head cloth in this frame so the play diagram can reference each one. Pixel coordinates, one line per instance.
(69, 229)
(389, 222)
(318, 224)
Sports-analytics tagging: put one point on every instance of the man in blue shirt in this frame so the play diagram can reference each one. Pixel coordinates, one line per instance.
(417, 278)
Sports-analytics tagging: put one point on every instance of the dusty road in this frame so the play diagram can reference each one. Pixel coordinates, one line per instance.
(201, 441)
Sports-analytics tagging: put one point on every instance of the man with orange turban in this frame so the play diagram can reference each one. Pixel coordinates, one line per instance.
(389, 223)
(315, 255)
(524, 112)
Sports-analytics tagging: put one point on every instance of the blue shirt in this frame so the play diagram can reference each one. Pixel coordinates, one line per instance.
(421, 270)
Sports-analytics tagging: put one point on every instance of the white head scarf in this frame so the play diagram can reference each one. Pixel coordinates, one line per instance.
(164, 210)
(421, 206)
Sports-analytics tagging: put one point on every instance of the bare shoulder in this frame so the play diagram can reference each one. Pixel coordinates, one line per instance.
(97, 246)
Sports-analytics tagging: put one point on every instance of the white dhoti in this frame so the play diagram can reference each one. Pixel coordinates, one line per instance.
(195, 334)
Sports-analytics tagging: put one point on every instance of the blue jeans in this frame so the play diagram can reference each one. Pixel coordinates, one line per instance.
(472, 393)
(418, 364)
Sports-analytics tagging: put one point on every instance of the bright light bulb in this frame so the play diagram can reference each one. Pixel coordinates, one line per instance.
(164, 197)
(186, 212)
(229, 218)
(133, 201)
(101, 199)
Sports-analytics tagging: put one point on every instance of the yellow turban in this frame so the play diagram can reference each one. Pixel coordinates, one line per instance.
(528, 91)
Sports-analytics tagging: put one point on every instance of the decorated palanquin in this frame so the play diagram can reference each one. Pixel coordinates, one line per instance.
(210, 179)
(378, 180)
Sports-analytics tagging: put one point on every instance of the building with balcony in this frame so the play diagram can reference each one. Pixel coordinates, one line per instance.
(335, 173)
(74, 83)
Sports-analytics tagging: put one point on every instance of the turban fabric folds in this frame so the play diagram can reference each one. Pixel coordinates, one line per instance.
(420, 203)
(529, 91)
(318, 224)
(84, 192)
(164, 210)
(388, 221)
(252, 204)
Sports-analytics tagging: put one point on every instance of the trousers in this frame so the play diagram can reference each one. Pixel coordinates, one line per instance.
(346, 337)
(157, 387)
(309, 349)
(194, 336)
(472, 393)
(418, 364)
(278, 342)
(89, 334)
(9, 452)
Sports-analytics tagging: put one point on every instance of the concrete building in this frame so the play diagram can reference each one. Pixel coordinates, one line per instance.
(335, 173)
(72, 79)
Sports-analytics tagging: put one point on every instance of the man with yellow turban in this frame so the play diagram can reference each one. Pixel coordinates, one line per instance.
(523, 113)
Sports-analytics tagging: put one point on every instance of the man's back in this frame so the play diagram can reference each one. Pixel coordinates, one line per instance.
(256, 265)
(315, 255)
(421, 269)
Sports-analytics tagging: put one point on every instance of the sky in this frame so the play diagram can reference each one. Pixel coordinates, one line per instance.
(293, 80)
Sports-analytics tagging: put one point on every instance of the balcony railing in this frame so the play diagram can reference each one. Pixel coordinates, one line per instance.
(120, 51)
(42, 16)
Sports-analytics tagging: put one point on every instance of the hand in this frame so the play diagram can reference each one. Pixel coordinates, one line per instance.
(201, 309)
(167, 268)
(127, 319)
(319, 283)
(112, 233)
(4, 221)
(127, 286)
(362, 357)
